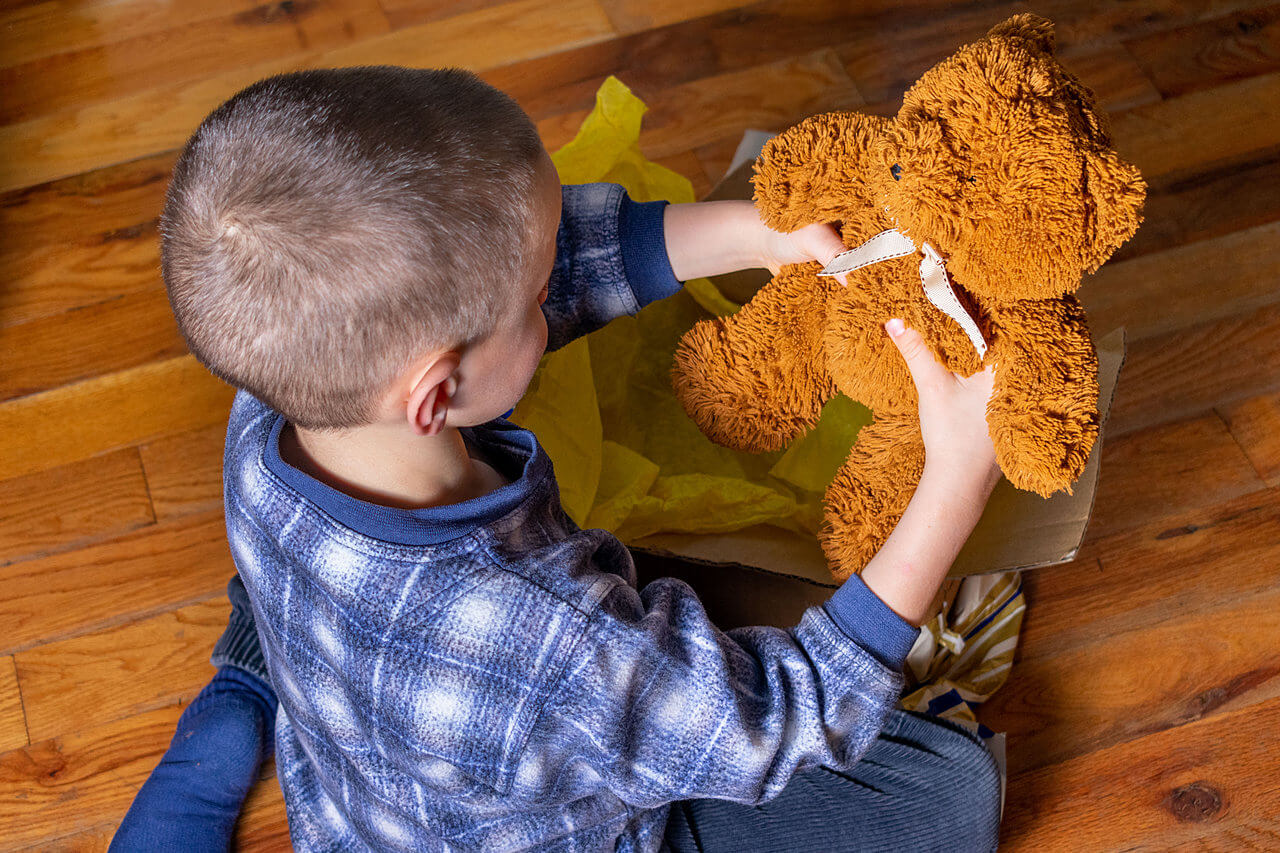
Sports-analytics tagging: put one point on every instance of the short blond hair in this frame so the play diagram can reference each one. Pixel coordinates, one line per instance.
(323, 229)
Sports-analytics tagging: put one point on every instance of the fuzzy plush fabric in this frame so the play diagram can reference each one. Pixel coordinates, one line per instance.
(1001, 161)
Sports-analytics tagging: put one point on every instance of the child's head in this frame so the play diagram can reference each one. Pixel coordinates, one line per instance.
(329, 233)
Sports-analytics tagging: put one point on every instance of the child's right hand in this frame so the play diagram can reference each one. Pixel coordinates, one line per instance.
(953, 412)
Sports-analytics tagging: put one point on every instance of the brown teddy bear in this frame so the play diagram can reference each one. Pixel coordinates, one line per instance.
(976, 211)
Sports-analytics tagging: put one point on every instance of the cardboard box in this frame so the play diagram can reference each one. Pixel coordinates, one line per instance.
(774, 574)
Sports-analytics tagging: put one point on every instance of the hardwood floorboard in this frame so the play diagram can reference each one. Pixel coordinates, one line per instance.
(51, 279)
(78, 782)
(121, 671)
(1204, 55)
(1255, 425)
(41, 29)
(1111, 21)
(1181, 373)
(130, 577)
(767, 96)
(73, 505)
(1195, 663)
(1187, 285)
(128, 331)
(1227, 124)
(262, 827)
(102, 73)
(95, 840)
(1195, 784)
(160, 119)
(109, 412)
(1213, 203)
(1204, 558)
(184, 471)
(1167, 469)
(13, 725)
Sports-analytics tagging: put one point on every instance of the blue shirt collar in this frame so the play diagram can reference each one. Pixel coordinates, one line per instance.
(511, 450)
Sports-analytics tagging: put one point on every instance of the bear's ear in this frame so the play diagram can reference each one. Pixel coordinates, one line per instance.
(1032, 29)
(1114, 194)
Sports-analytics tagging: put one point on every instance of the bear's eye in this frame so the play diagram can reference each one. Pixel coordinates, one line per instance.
(896, 171)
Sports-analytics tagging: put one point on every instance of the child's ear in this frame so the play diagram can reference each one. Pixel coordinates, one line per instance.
(432, 394)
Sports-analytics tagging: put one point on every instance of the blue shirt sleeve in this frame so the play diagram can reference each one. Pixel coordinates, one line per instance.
(870, 623)
(611, 260)
(658, 705)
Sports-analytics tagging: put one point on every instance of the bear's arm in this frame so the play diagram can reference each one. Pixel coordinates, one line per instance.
(816, 172)
(1043, 413)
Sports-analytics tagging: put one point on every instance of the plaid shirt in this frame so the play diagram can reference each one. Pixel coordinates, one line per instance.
(485, 675)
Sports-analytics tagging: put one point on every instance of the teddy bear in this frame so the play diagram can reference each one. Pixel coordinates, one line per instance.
(975, 211)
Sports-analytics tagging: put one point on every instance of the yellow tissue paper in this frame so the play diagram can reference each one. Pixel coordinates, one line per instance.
(626, 456)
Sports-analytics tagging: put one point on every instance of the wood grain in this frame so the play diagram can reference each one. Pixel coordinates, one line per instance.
(95, 840)
(67, 80)
(160, 119)
(630, 16)
(129, 331)
(1184, 286)
(78, 421)
(49, 279)
(1178, 374)
(1111, 21)
(74, 783)
(73, 505)
(1204, 55)
(336, 23)
(768, 96)
(13, 728)
(1226, 123)
(184, 472)
(262, 827)
(1195, 663)
(135, 575)
(1166, 469)
(1194, 560)
(1255, 425)
(1211, 203)
(1196, 785)
(106, 201)
(122, 671)
(30, 31)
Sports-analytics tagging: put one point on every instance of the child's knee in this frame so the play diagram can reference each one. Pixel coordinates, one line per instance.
(969, 786)
(960, 781)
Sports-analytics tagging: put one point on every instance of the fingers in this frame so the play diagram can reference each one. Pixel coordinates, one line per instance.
(925, 369)
(827, 244)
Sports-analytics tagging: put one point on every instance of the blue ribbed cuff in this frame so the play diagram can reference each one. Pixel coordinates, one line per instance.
(870, 623)
(644, 250)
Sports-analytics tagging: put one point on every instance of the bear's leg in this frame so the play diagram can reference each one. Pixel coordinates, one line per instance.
(870, 492)
(1043, 414)
(755, 380)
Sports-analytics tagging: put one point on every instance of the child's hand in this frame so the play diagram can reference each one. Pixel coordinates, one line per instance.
(818, 242)
(953, 412)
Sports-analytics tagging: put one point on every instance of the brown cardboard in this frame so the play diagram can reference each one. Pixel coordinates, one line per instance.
(1018, 530)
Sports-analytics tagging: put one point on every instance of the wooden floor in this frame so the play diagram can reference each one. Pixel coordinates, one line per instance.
(1143, 709)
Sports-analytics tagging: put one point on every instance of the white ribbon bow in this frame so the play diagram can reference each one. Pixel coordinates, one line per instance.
(933, 276)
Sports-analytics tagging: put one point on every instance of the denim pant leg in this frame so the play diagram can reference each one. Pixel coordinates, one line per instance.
(925, 784)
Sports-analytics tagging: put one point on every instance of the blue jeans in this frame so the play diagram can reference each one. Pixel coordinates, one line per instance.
(925, 784)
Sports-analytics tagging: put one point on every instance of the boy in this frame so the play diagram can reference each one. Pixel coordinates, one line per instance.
(378, 258)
